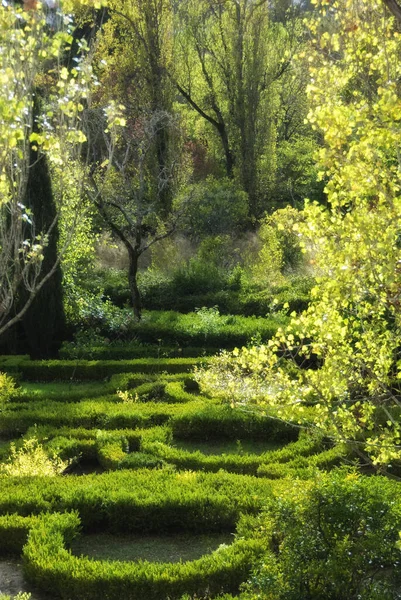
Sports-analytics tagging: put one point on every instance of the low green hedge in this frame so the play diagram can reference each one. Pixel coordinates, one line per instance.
(204, 329)
(199, 419)
(164, 391)
(129, 381)
(143, 500)
(211, 420)
(133, 436)
(66, 370)
(73, 392)
(235, 302)
(98, 414)
(182, 459)
(107, 448)
(250, 464)
(304, 467)
(51, 567)
(14, 531)
(130, 350)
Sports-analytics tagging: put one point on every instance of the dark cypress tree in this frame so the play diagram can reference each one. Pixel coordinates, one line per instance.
(43, 326)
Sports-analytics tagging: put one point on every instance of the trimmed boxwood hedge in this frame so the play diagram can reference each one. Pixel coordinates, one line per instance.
(50, 566)
(67, 370)
(204, 421)
(130, 350)
(143, 500)
(200, 419)
(250, 464)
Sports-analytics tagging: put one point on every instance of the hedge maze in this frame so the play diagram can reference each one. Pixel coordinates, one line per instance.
(147, 454)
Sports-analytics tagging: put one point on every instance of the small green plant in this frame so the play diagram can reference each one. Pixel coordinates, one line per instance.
(126, 397)
(7, 388)
(31, 459)
(208, 319)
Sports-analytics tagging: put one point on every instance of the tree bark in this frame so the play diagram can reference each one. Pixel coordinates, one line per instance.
(133, 284)
(394, 8)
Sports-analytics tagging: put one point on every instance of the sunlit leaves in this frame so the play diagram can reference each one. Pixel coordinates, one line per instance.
(345, 347)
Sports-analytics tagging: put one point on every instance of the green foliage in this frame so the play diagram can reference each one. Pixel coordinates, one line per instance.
(7, 388)
(53, 568)
(296, 175)
(345, 347)
(19, 596)
(30, 460)
(336, 534)
(280, 247)
(215, 207)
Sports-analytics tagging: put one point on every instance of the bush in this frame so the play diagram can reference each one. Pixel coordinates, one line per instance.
(32, 459)
(335, 536)
(216, 207)
(7, 388)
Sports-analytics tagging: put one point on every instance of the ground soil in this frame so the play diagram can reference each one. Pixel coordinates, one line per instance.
(12, 580)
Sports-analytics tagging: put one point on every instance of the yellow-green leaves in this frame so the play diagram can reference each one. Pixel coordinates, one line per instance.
(340, 359)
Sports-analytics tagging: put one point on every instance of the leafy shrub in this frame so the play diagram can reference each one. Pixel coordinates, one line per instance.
(216, 207)
(31, 459)
(329, 537)
(7, 388)
(197, 276)
(280, 248)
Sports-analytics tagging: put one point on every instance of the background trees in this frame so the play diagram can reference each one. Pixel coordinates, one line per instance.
(219, 73)
(350, 333)
(229, 60)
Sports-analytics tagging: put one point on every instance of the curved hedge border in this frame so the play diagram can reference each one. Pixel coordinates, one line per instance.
(44, 539)
(143, 500)
(50, 566)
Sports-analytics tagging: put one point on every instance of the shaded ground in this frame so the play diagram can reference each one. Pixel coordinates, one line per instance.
(155, 548)
(12, 580)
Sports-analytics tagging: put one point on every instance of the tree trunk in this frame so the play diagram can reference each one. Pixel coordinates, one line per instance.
(133, 284)
(43, 325)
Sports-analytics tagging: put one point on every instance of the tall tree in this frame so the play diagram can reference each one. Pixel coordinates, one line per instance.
(229, 56)
(44, 322)
(352, 328)
(27, 40)
(137, 43)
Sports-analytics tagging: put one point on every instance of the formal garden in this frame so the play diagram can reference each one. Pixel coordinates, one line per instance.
(200, 300)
